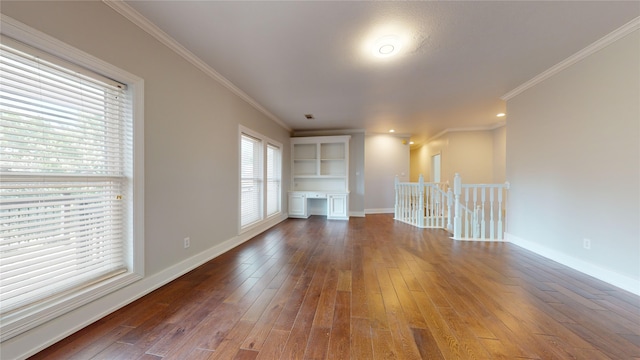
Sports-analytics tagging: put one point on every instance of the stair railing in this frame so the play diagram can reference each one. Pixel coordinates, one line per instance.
(468, 211)
(422, 204)
(488, 202)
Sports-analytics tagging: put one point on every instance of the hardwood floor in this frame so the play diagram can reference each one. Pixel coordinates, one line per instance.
(369, 288)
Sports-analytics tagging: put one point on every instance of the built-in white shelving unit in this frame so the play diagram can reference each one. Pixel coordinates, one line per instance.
(320, 170)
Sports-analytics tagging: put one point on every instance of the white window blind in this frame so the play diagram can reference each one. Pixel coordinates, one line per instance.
(63, 183)
(251, 180)
(273, 179)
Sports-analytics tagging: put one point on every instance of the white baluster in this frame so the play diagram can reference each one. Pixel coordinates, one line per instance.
(416, 203)
(492, 234)
(466, 213)
(409, 202)
(500, 232)
(449, 206)
(403, 202)
(397, 204)
(440, 196)
(432, 207)
(457, 221)
(421, 201)
(483, 223)
(419, 204)
(476, 222)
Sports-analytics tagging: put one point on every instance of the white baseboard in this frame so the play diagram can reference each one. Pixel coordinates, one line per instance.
(473, 239)
(380, 211)
(608, 276)
(356, 214)
(29, 343)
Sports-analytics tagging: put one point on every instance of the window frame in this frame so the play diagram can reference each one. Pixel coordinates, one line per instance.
(33, 316)
(265, 142)
(276, 179)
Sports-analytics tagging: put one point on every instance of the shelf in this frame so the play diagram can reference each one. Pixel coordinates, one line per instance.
(305, 151)
(320, 163)
(334, 150)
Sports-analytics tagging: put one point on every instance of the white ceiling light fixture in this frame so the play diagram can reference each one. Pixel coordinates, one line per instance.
(386, 46)
(501, 115)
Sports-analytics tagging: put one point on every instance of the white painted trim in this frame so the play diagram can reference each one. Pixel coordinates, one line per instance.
(471, 128)
(304, 133)
(19, 322)
(607, 40)
(136, 18)
(380, 211)
(28, 344)
(39, 40)
(356, 214)
(622, 281)
(476, 240)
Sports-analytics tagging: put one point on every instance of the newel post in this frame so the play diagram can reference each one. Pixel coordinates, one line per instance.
(457, 219)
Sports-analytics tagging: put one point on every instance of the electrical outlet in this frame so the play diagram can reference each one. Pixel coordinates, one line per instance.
(586, 243)
(187, 242)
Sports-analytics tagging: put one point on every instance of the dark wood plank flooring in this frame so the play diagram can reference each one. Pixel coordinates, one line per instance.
(369, 288)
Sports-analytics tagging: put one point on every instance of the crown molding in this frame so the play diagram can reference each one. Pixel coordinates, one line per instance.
(327, 132)
(612, 37)
(471, 128)
(136, 18)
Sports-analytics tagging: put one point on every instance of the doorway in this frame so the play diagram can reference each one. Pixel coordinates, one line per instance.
(435, 168)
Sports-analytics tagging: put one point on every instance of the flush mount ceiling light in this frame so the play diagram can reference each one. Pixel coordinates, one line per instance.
(501, 115)
(386, 46)
(392, 131)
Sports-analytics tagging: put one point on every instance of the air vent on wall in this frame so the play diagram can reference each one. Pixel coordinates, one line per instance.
(309, 116)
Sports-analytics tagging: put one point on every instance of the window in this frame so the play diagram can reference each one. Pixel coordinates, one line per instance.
(251, 180)
(260, 178)
(273, 179)
(67, 228)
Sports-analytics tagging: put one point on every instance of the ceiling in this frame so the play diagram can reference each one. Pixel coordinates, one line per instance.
(456, 60)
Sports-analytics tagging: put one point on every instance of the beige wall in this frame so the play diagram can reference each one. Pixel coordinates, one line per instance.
(573, 160)
(191, 145)
(385, 157)
(420, 163)
(470, 153)
(478, 156)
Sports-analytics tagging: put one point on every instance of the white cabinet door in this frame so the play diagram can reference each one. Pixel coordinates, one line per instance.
(298, 205)
(338, 206)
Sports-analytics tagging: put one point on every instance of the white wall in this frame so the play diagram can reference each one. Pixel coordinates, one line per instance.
(191, 150)
(499, 154)
(573, 160)
(385, 157)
